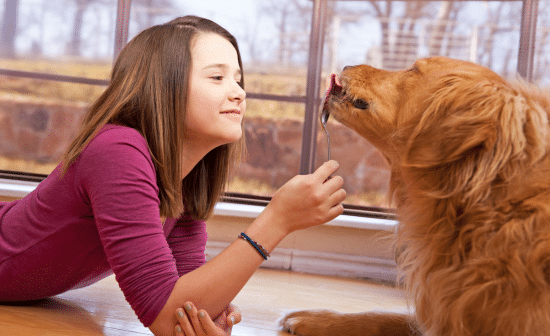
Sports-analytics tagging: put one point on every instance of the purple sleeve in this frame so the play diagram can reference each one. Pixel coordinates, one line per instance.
(188, 243)
(118, 178)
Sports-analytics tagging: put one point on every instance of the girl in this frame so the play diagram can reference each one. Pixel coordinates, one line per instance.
(135, 186)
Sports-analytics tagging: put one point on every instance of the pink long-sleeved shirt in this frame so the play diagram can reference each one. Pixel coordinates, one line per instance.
(101, 217)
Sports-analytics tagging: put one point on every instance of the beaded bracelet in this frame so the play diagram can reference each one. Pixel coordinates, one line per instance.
(263, 252)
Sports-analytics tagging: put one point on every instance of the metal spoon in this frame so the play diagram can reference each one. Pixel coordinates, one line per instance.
(334, 88)
(325, 113)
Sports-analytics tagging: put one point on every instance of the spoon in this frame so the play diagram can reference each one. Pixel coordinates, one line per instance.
(325, 113)
(334, 88)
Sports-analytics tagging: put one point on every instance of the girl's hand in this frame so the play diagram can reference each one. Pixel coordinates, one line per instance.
(198, 323)
(308, 200)
(228, 318)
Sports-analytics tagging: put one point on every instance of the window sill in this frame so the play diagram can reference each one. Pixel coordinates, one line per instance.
(252, 211)
(18, 189)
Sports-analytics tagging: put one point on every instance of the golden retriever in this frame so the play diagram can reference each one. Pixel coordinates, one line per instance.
(469, 155)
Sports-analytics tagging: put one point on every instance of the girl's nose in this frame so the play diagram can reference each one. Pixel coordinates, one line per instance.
(238, 93)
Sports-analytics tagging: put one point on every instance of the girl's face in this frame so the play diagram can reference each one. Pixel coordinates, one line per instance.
(216, 102)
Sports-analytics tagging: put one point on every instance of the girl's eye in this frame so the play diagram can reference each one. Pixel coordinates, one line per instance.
(217, 77)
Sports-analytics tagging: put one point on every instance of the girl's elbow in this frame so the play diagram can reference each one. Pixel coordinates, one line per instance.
(162, 326)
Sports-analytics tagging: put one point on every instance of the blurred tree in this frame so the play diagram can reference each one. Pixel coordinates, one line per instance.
(250, 39)
(398, 54)
(74, 44)
(498, 21)
(9, 28)
(542, 55)
(291, 19)
(146, 13)
(441, 30)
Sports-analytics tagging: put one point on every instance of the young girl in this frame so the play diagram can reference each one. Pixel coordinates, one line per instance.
(135, 186)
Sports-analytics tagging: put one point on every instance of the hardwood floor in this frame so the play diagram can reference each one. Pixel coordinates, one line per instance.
(101, 309)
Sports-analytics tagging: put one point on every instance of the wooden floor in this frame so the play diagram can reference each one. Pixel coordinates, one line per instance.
(101, 309)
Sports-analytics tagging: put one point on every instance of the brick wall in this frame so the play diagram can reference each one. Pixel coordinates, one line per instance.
(37, 130)
(274, 148)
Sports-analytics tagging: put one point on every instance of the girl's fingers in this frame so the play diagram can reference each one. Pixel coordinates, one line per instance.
(234, 315)
(335, 211)
(184, 328)
(333, 188)
(179, 330)
(333, 184)
(193, 316)
(337, 198)
(325, 170)
(208, 325)
(199, 323)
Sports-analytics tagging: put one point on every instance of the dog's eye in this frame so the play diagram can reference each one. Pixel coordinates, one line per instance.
(360, 104)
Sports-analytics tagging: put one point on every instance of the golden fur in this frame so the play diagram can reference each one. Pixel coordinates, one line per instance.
(469, 154)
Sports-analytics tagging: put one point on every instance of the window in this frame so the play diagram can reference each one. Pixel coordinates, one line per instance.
(56, 58)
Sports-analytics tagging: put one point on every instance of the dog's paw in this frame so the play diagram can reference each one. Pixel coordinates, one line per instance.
(308, 322)
(330, 323)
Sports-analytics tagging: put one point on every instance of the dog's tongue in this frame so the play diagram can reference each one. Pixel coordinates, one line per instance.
(334, 88)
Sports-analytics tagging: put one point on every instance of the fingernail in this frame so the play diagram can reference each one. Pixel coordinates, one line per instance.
(232, 320)
(188, 307)
(180, 314)
(201, 314)
(178, 328)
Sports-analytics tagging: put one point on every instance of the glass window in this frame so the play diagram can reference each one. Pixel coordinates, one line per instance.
(74, 38)
(56, 57)
(54, 53)
(541, 73)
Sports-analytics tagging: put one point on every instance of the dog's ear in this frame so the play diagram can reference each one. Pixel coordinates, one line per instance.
(457, 120)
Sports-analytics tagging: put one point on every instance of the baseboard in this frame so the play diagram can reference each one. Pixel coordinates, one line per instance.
(313, 262)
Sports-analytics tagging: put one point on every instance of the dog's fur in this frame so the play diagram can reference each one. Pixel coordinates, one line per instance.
(469, 154)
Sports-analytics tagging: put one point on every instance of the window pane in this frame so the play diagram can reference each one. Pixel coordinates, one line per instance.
(39, 117)
(38, 120)
(360, 32)
(486, 33)
(541, 64)
(58, 36)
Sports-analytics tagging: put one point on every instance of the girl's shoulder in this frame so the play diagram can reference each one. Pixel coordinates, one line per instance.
(117, 142)
(116, 152)
(116, 134)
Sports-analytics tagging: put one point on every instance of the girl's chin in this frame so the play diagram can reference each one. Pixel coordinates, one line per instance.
(233, 137)
(236, 138)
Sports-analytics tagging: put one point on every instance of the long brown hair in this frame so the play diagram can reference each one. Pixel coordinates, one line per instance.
(148, 92)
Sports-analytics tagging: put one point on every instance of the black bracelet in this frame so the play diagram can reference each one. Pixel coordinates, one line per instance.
(263, 252)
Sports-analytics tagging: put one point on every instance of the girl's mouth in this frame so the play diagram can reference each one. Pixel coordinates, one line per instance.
(231, 112)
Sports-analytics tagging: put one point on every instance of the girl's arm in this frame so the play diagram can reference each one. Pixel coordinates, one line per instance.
(304, 201)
